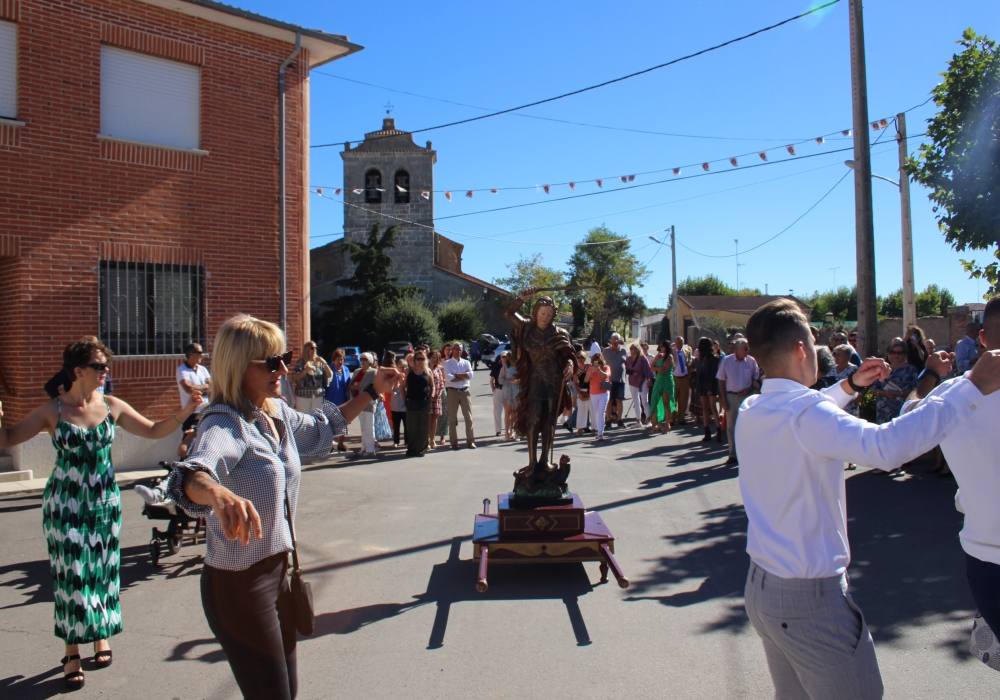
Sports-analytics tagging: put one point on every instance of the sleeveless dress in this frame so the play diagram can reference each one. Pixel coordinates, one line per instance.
(81, 519)
(664, 384)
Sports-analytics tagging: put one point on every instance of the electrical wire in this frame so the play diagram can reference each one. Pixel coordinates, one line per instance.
(611, 81)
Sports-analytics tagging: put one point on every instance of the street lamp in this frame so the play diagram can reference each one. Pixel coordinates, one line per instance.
(903, 185)
(675, 328)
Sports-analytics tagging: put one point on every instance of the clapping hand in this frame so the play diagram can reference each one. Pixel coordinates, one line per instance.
(871, 370)
(941, 362)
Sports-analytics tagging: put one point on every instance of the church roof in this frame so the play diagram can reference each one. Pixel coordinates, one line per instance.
(388, 139)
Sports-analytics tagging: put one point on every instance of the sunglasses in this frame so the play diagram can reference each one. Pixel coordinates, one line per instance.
(99, 366)
(897, 352)
(274, 362)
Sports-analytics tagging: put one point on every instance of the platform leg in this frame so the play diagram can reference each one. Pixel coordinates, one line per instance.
(610, 560)
(482, 585)
(604, 571)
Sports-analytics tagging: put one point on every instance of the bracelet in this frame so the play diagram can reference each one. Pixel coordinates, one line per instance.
(857, 389)
(926, 371)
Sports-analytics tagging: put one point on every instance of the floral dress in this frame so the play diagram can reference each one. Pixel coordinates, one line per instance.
(902, 379)
(438, 374)
(82, 519)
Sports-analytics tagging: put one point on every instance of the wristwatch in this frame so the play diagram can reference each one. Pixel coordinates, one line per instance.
(370, 390)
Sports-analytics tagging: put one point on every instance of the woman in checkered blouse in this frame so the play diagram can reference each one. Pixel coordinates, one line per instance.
(243, 465)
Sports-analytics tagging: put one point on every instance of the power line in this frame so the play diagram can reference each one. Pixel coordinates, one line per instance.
(612, 81)
(590, 125)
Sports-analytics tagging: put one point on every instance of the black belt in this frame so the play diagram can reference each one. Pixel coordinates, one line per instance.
(741, 391)
(456, 388)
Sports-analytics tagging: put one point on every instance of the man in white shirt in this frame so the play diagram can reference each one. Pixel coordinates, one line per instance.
(191, 376)
(793, 443)
(458, 378)
(972, 448)
(738, 376)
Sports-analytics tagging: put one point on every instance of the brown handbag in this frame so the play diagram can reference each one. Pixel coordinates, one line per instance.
(299, 590)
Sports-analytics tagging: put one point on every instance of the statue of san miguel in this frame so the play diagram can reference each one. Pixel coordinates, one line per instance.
(545, 363)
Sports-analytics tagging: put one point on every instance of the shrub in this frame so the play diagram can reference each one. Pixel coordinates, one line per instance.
(459, 319)
(407, 319)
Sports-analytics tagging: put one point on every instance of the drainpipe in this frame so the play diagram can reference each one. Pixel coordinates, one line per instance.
(282, 188)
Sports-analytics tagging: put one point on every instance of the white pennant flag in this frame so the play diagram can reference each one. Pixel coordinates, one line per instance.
(425, 194)
(400, 188)
(358, 190)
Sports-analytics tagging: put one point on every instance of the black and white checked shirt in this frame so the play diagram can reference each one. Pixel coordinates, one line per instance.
(244, 457)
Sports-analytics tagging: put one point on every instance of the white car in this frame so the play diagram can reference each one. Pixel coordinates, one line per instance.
(493, 355)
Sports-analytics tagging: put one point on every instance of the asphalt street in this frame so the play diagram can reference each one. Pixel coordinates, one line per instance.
(387, 544)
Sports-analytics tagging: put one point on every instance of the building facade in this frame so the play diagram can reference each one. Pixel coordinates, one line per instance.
(389, 181)
(139, 165)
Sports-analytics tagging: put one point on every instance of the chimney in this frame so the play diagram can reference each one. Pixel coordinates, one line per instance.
(388, 124)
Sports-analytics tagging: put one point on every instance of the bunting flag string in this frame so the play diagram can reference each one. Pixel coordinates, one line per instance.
(791, 149)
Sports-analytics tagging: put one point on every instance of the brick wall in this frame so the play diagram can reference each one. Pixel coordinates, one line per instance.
(69, 196)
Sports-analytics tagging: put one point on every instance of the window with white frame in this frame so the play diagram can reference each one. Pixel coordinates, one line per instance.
(149, 100)
(8, 70)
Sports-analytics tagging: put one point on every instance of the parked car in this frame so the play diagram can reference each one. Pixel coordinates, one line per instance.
(493, 356)
(352, 357)
(400, 347)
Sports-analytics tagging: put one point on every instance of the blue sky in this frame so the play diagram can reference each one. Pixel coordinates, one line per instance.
(787, 85)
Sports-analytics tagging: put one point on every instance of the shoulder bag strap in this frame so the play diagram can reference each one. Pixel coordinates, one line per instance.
(291, 530)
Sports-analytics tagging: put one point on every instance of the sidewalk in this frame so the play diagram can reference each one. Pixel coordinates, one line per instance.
(38, 485)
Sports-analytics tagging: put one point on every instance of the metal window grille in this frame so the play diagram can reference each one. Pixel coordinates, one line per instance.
(151, 308)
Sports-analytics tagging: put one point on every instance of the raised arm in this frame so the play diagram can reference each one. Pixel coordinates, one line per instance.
(511, 311)
(137, 424)
(42, 418)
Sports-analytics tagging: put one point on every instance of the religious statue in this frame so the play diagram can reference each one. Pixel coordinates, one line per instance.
(545, 362)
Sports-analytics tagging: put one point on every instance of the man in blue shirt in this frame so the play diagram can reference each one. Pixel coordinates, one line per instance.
(967, 349)
(337, 389)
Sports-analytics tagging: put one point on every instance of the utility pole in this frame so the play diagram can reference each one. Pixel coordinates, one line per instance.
(737, 242)
(863, 218)
(909, 302)
(675, 320)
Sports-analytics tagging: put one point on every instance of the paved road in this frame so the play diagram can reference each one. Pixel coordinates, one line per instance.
(387, 544)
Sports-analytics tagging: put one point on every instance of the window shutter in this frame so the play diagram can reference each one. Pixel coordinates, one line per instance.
(148, 99)
(8, 70)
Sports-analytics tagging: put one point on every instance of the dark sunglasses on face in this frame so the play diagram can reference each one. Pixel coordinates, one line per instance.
(274, 362)
(99, 366)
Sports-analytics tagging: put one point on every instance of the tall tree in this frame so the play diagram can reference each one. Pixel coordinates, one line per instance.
(528, 272)
(709, 285)
(933, 301)
(961, 162)
(842, 303)
(607, 272)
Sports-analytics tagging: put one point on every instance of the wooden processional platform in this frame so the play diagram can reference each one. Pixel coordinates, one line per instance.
(542, 535)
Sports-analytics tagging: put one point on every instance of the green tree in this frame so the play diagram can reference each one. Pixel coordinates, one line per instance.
(459, 319)
(530, 272)
(961, 161)
(709, 285)
(891, 305)
(606, 272)
(405, 319)
(842, 303)
(933, 301)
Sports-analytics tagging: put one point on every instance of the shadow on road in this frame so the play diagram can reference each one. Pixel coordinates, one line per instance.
(44, 685)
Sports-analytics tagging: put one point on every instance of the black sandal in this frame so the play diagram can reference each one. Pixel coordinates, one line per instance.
(73, 680)
(102, 659)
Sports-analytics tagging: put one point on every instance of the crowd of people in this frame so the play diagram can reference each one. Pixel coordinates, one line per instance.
(777, 391)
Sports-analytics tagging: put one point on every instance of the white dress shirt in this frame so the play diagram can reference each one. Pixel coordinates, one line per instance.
(739, 375)
(453, 367)
(972, 448)
(196, 376)
(792, 443)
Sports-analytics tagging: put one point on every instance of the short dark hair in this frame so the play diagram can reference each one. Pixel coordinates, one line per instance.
(79, 353)
(991, 318)
(193, 349)
(775, 328)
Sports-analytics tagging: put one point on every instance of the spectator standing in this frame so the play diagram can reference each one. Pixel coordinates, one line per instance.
(599, 381)
(967, 348)
(614, 358)
(364, 377)
(338, 390)
(707, 367)
(437, 397)
(397, 403)
(442, 428)
(81, 503)
(496, 387)
(419, 389)
(584, 413)
(191, 376)
(310, 377)
(639, 374)
(593, 347)
(458, 379)
(738, 376)
(475, 354)
(892, 392)
(664, 402)
(844, 368)
(682, 378)
(916, 349)
(511, 391)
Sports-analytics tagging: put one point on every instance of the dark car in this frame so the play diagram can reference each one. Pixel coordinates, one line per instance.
(352, 357)
(400, 347)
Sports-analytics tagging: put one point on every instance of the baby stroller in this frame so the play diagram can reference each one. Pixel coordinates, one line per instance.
(181, 528)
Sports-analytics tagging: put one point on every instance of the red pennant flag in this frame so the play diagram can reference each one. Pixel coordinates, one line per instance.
(337, 191)
(546, 188)
(846, 132)
(447, 195)
(704, 166)
(572, 185)
(875, 126)
(493, 190)
(763, 155)
(600, 182)
(883, 123)
(677, 171)
(732, 161)
(425, 194)
(790, 149)
(469, 194)
(631, 178)
(820, 139)
(623, 178)
(319, 191)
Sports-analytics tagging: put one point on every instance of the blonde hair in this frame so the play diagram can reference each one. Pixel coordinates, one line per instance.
(241, 339)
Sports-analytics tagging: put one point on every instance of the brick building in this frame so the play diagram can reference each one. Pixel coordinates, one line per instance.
(139, 171)
(389, 181)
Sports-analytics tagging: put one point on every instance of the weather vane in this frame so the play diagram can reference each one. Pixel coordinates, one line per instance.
(389, 106)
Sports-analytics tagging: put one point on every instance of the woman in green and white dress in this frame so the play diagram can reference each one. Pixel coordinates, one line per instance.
(81, 505)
